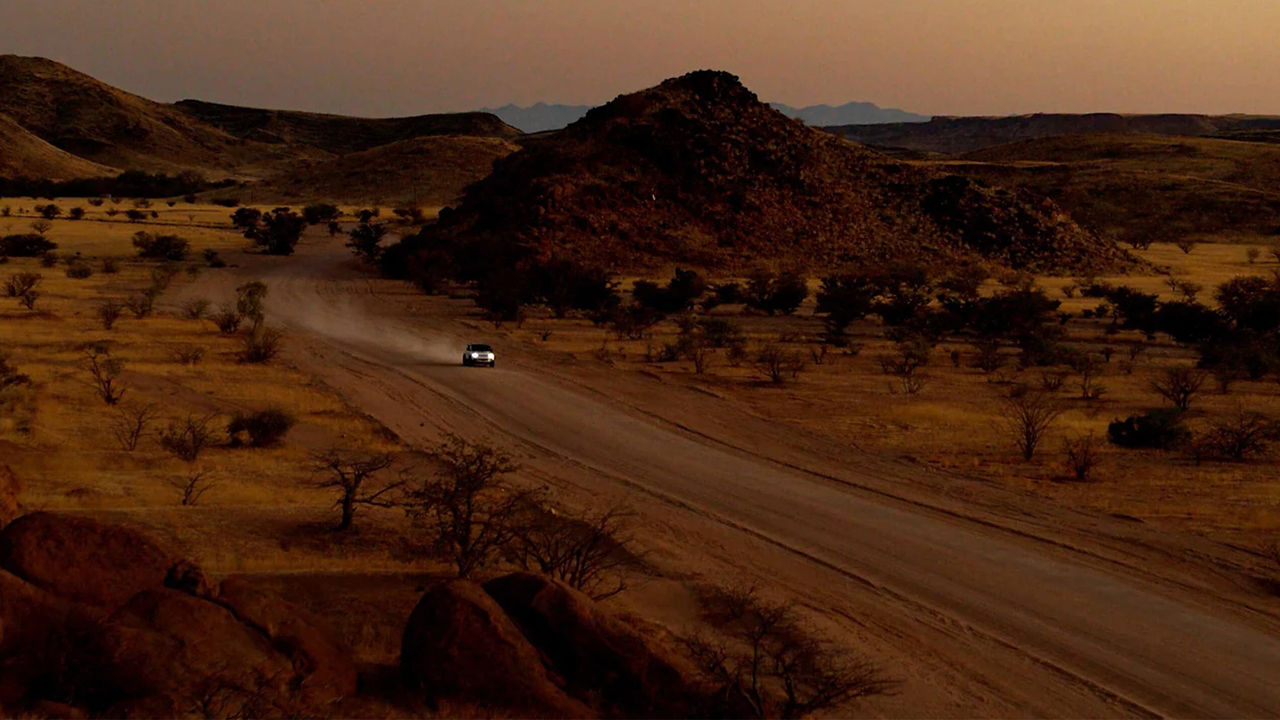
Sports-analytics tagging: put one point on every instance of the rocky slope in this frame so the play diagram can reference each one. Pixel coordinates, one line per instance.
(698, 171)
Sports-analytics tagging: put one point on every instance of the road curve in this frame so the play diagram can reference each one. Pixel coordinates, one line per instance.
(1139, 641)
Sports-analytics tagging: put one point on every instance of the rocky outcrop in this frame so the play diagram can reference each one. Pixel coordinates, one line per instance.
(82, 559)
(10, 489)
(102, 616)
(460, 646)
(596, 654)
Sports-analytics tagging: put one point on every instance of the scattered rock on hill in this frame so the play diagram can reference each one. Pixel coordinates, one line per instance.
(82, 559)
(460, 645)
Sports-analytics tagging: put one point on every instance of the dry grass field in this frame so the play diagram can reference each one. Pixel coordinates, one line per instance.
(60, 436)
(956, 421)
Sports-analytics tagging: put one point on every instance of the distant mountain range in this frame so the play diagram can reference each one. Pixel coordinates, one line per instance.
(542, 116)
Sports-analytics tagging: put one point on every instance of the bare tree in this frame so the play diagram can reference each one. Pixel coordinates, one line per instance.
(774, 668)
(348, 472)
(588, 554)
(193, 487)
(1089, 370)
(105, 371)
(1029, 415)
(468, 512)
(1179, 385)
(130, 424)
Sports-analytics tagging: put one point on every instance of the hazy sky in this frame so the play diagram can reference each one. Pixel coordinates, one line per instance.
(388, 57)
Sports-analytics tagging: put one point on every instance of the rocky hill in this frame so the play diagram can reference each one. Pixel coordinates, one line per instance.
(951, 135)
(337, 133)
(698, 171)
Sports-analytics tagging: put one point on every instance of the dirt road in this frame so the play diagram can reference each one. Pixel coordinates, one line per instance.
(977, 620)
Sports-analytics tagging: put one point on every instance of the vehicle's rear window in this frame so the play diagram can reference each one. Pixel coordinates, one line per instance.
(481, 348)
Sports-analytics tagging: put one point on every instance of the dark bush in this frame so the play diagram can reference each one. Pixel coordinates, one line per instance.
(160, 247)
(776, 293)
(320, 213)
(28, 245)
(1161, 429)
(263, 428)
(677, 295)
(79, 270)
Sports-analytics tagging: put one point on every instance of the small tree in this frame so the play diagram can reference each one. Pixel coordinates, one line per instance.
(20, 284)
(589, 554)
(130, 424)
(105, 371)
(365, 239)
(350, 473)
(41, 226)
(1029, 414)
(774, 668)
(1252, 254)
(1179, 385)
(466, 509)
(1186, 245)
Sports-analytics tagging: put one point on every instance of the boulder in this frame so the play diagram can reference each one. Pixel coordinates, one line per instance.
(167, 644)
(459, 646)
(40, 635)
(597, 655)
(82, 559)
(325, 668)
(10, 488)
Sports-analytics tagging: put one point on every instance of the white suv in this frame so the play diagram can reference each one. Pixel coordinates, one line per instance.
(477, 354)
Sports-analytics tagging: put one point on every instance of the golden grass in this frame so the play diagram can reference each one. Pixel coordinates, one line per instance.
(62, 443)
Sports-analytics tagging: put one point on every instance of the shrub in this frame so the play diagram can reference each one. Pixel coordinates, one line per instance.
(679, 294)
(225, 202)
(192, 486)
(261, 343)
(76, 213)
(79, 270)
(588, 554)
(1238, 437)
(141, 304)
(278, 231)
(1082, 456)
(249, 300)
(1161, 429)
(186, 438)
(195, 309)
(777, 363)
(189, 355)
(110, 266)
(25, 245)
(365, 239)
(42, 226)
(135, 215)
(49, 260)
(130, 423)
(109, 312)
(160, 247)
(263, 428)
(227, 319)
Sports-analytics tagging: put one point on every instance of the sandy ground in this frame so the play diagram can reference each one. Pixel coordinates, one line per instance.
(982, 602)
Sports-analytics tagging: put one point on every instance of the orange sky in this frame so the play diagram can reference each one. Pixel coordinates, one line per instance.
(385, 57)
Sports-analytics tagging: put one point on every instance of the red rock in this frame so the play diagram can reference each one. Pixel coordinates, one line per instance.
(460, 646)
(82, 559)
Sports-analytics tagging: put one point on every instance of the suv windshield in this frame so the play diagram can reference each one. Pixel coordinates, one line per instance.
(479, 348)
